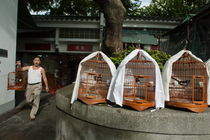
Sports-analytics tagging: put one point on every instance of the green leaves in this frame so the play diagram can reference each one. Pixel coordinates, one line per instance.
(160, 8)
(132, 6)
(172, 8)
(65, 7)
(77, 7)
(159, 56)
(119, 56)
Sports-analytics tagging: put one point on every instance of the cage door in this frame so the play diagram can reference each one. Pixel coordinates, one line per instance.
(141, 86)
(198, 89)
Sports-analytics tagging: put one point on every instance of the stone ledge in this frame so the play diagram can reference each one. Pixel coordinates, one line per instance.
(165, 121)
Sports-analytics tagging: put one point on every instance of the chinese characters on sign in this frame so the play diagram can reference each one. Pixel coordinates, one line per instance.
(74, 47)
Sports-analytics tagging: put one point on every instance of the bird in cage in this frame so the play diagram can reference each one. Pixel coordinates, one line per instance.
(185, 82)
(137, 82)
(181, 82)
(93, 79)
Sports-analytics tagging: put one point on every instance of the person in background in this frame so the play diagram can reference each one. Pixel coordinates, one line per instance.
(18, 65)
(34, 85)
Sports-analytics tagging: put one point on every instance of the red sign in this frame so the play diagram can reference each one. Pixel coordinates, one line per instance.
(73, 47)
(154, 47)
(31, 46)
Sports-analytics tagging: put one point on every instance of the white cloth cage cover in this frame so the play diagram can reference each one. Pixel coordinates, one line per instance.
(116, 89)
(167, 72)
(208, 70)
(77, 82)
(208, 66)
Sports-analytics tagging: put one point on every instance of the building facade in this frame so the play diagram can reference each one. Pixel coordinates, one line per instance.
(65, 40)
(8, 33)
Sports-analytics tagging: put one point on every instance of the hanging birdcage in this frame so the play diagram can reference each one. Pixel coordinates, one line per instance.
(187, 82)
(93, 78)
(136, 82)
(16, 81)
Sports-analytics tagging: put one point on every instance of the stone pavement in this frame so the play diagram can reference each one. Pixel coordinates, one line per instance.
(19, 127)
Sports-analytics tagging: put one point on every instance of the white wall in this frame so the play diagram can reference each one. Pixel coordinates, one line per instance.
(8, 32)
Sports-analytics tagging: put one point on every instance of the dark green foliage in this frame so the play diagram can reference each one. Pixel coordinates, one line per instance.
(77, 7)
(117, 57)
(65, 7)
(159, 56)
(172, 8)
(157, 8)
(132, 7)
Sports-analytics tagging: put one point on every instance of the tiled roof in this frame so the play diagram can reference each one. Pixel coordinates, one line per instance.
(95, 18)
(153, 18)
(65, 18)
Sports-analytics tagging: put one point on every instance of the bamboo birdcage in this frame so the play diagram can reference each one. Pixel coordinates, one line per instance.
(188, 84)
(139, 83)
(17, 80)
(95, 77)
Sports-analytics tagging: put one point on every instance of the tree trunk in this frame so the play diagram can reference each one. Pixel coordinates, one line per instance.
(114, 13)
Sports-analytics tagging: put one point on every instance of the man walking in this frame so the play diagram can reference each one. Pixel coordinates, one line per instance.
(34, 87)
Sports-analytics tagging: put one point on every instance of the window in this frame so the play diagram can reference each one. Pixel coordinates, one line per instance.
(3, 53)
(79, 33)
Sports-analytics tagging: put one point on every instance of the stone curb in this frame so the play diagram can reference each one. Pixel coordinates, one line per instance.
(166, 121)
